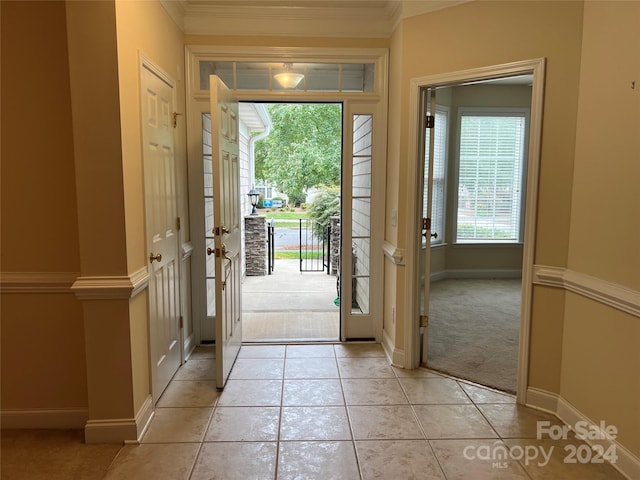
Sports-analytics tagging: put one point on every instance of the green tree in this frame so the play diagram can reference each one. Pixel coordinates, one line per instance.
(303, 149)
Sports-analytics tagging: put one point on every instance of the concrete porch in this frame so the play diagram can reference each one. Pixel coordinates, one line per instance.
(290, 305)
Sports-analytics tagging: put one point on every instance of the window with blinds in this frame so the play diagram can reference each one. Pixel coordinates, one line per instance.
(439, 174)
(490, 176)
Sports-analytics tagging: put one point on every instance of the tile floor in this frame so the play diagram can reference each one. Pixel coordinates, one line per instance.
(337, 412)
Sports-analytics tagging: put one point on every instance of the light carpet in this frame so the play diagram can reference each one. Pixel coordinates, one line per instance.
(474, 327)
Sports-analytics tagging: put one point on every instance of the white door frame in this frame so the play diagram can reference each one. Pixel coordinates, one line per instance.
(536, 67)
(198, 100)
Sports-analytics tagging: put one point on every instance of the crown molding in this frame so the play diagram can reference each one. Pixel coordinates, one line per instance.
(357, 19)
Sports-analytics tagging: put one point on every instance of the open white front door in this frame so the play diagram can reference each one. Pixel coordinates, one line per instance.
(226, 231)
(428, 115)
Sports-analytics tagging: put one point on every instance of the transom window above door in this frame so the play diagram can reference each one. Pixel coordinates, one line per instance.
(288, 76)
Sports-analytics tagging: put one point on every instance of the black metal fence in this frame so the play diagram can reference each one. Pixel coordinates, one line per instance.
(315, 246)
(271, 246)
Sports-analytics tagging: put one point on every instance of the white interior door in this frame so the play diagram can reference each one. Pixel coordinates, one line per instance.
(161, 223)
(428, 115)
(226, 231)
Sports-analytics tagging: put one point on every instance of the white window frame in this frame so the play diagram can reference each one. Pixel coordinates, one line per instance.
(492, 112)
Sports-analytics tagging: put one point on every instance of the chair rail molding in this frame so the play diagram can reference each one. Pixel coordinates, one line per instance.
(111, 287)
(37, 282)
(393, 253)
(602, 291)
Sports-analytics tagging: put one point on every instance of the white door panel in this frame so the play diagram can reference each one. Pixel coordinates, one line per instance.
(161, 224)
(226, 231)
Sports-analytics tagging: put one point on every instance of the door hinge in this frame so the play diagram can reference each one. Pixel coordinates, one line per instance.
(424, 320)
(430, 121)
(175, 119)
(181, 323)
(178, 223)
(426, 223)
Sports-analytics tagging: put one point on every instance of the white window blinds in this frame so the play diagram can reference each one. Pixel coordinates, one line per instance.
(490, 177)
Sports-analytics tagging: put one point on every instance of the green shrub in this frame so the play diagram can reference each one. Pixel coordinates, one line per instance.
(325, 205)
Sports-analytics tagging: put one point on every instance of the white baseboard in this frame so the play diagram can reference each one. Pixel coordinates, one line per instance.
(120, 430)
(476, 273)
(33, 418)
(542, 400)
(394, 355)
(627, 463)
(189, 346)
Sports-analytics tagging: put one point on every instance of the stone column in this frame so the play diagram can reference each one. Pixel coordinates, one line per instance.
(255, 244)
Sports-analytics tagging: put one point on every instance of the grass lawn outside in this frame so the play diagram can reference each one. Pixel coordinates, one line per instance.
(280, 215)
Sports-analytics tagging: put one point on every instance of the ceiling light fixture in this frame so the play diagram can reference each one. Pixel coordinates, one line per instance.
(288, 78)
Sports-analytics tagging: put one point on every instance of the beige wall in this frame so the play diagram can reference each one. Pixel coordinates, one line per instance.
(43, 357)
(600, 350)
(479, 34)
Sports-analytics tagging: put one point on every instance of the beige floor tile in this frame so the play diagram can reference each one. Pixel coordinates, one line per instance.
(169, 461)
(53, 455)
(485, 395)
(236, 461)
(373, 391)
(190, 393)
(310, 368)
(204, 369)
(359, 350)
(203, 351)
(317, 461)
(244, 424)
(314, 423)
(251, 393)
(384, 422)
(453, 421)
(375, 367)
(515, 421)
(550, 460)
(465, 460)
(257, 369)
(433, 391)
(398, 459)
(310, 351)
(262, 351)
(177, 425)
(302, 393)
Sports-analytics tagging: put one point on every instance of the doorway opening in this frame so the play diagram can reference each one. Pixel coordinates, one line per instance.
(479, 155)
(294, 164)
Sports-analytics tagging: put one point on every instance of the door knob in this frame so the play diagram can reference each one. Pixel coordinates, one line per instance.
(157, 257)
(210, 251)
